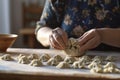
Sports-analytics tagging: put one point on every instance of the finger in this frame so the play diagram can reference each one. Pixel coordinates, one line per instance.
(85, 38)
(53, 43)
(89, 45)
(63, 35)
(58, 39)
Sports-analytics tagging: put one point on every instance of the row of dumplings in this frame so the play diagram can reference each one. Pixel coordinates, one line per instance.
(98, 64)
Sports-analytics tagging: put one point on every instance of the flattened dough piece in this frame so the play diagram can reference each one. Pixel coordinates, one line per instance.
(36, 63)
(6, 57)
(63, 65)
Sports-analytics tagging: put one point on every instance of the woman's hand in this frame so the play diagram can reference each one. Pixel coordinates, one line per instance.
(58, 39)
(89, 40)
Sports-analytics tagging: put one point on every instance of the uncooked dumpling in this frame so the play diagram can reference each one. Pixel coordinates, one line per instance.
(20, 55)
(73, 48)
(79, 64)
(52, 62)
(45, 57)
(36, 63)
(98, 58)
(63, 65)
(6, 57)
(96, 69)
(58, 58)
(85, 59)
(99, 61)
(33, 56)
(110, 58)
(94, 64)
(110, 67)
(23, 60)
(69, 60)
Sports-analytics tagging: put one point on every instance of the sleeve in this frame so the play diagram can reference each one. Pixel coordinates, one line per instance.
(48, 17)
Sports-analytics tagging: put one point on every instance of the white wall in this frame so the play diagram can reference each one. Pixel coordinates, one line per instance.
(4, 16)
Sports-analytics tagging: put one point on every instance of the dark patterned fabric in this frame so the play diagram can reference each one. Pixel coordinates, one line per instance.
(78, 16)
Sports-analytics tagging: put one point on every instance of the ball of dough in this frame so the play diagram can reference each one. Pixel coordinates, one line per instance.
(63, 65)
(36, 63)
(45, 57)
(6, 57)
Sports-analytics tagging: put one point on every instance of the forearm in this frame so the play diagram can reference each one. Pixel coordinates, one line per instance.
(43, 36)
(110, 36)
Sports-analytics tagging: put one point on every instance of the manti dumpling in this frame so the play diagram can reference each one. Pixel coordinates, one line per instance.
(73, 48)
(63, 65)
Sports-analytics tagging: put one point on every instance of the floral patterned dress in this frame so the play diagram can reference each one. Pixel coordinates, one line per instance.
(78, 16)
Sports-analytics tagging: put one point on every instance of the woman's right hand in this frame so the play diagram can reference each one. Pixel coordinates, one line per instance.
(58, 39)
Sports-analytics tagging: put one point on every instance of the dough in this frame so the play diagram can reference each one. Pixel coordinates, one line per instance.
(23, 60)
(96, 69)
(33, 56)
(110, 67)
(20, 55)
(98, 58)
(69, 60)
(52, 62)
(73, 48)
(79, 64)
(94, 64)
(58, 58)
(85, 59)
(45, 57)
(110, 58)
(63, 65)
(6, 57)
(36, 63)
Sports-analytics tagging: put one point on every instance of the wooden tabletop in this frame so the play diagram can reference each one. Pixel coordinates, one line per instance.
(15, 71)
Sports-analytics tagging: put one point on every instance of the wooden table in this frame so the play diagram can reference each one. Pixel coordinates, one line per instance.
(15, 71)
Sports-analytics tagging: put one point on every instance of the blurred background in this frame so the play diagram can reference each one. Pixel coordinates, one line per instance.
(19, 17)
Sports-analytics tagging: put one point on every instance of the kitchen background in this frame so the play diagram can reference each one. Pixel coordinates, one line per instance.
(12, 14)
